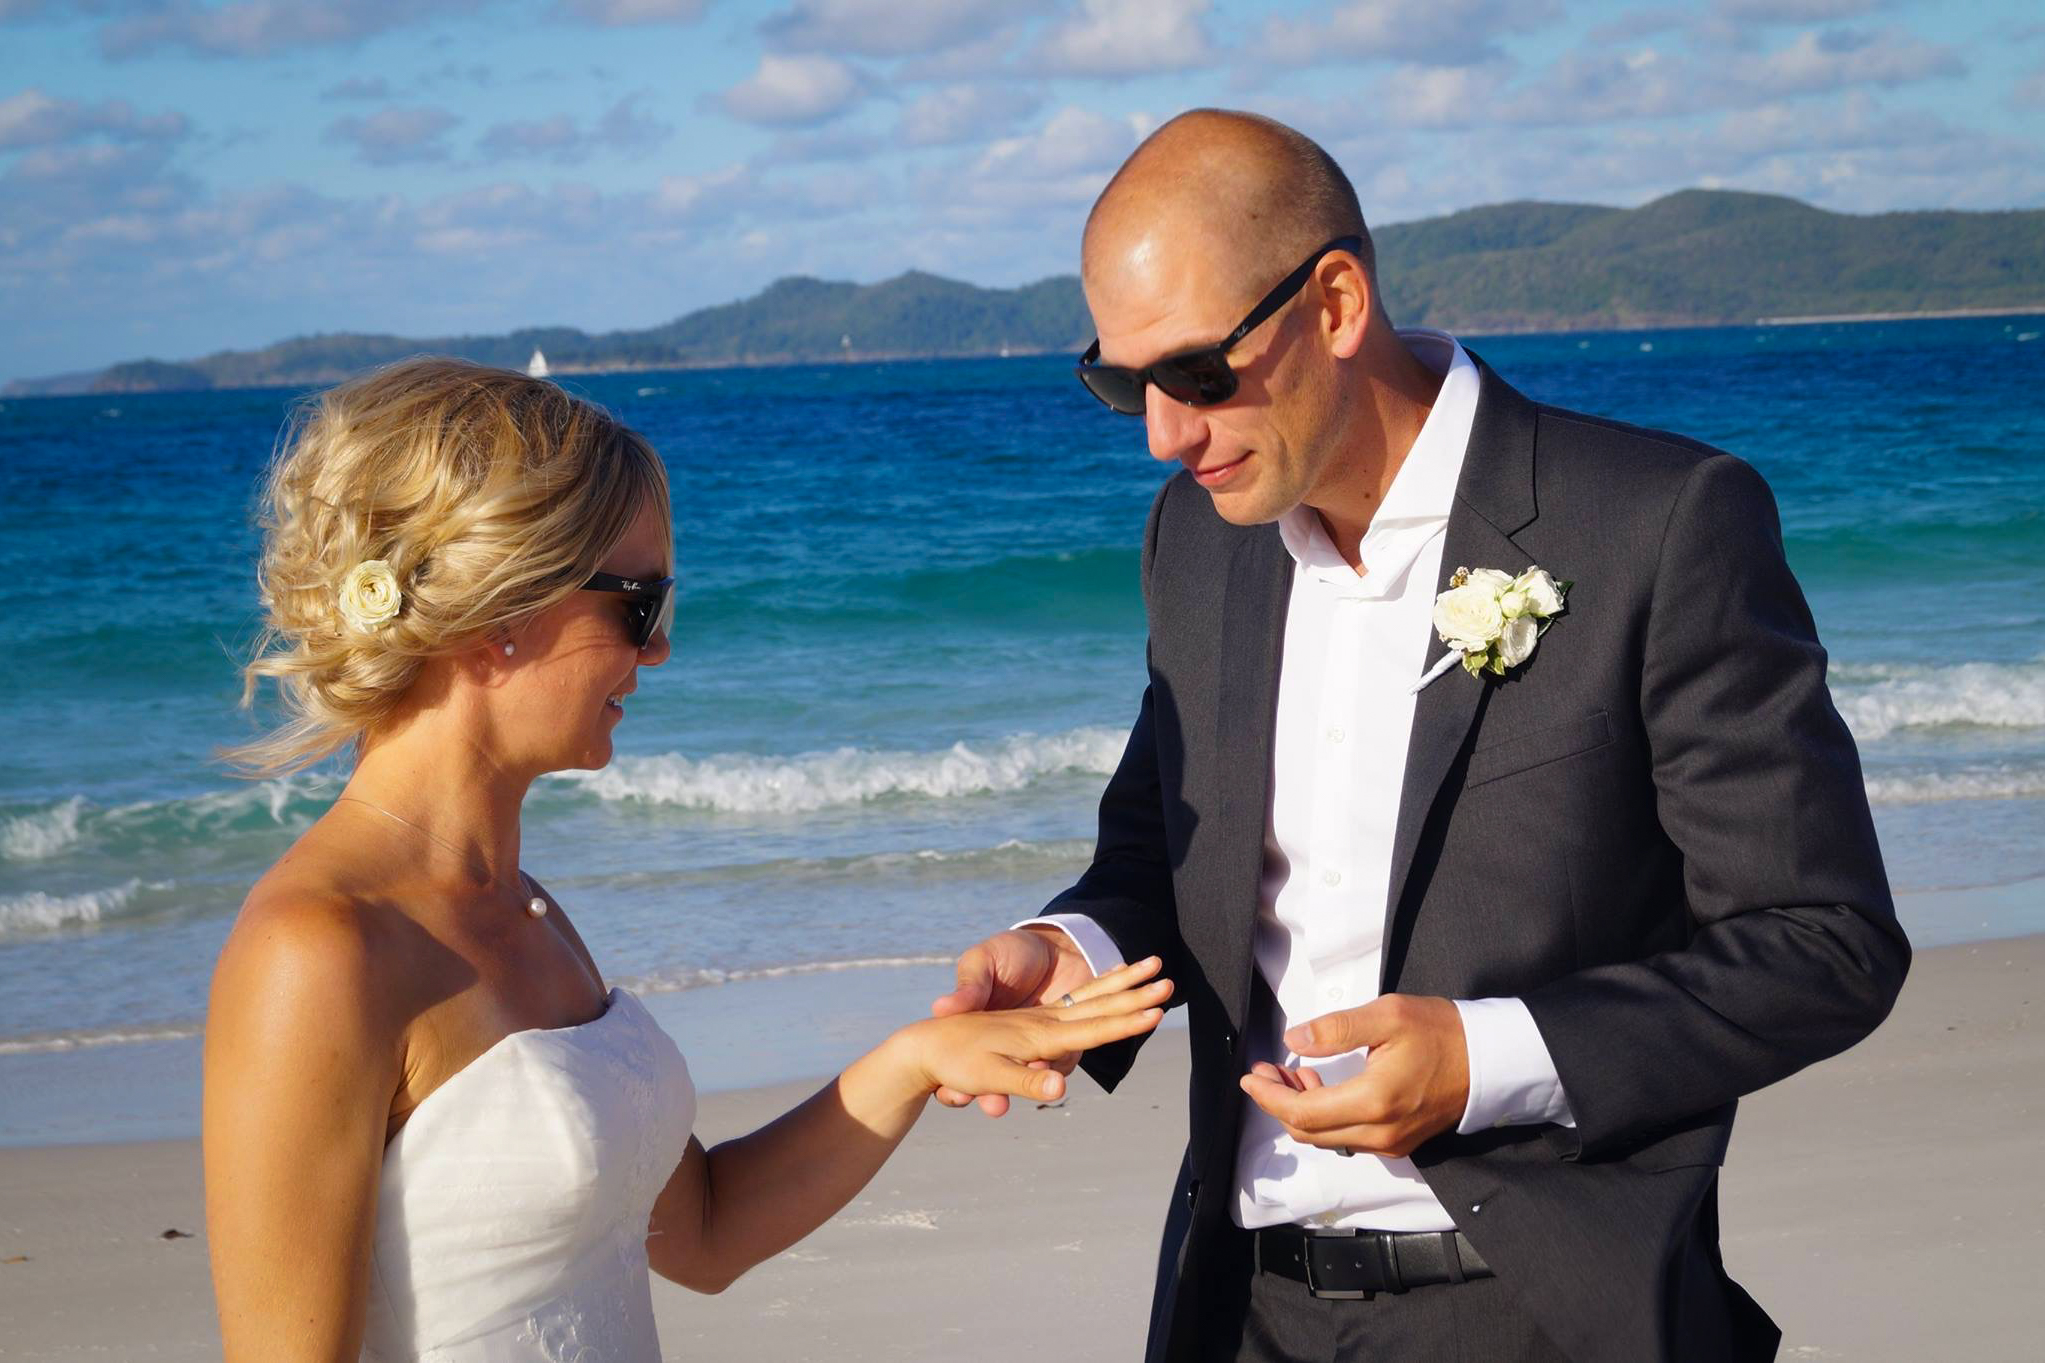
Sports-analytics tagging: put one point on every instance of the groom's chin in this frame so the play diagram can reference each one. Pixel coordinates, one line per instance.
(1248, 505)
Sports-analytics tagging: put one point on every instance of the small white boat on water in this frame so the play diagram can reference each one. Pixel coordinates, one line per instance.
(536, 367)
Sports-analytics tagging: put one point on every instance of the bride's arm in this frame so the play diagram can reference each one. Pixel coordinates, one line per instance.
(299, 1070)
(726, 1209)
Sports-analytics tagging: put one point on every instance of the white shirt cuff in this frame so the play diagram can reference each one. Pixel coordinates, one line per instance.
(1099, 949)
(1512, 1078)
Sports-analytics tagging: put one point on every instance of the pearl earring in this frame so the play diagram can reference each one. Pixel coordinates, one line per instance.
(510, 649)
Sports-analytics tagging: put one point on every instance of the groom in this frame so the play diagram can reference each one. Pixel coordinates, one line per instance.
(1573, 905)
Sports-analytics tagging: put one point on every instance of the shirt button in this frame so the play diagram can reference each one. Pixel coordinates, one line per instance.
(1336, 735)
(1334, 992)
(1331, 878)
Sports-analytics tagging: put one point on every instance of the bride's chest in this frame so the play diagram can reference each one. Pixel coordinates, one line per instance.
(548, 1141)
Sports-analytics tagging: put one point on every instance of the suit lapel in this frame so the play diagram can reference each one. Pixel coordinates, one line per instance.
(1252, 645)
(1494, 500)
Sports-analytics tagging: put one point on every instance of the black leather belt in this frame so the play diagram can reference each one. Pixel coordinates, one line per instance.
(1351, 1265)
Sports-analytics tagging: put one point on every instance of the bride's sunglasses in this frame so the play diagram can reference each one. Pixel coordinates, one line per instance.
(649, 608)
(1198, 378)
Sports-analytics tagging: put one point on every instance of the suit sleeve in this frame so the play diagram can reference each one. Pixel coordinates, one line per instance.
(1795, 953)
(1127, 890)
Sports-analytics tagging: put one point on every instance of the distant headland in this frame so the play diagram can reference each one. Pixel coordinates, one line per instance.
(1698, 257)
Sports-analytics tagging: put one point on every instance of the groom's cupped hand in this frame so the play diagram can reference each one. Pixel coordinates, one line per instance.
(1414, 1086)
(1029, 967)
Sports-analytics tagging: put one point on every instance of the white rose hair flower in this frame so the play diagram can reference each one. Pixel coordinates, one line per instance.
(370, 597)
(1491, 620)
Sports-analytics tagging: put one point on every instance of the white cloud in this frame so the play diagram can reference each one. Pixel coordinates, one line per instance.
(393, 136)
(993, 53)
(1413, 96)
(35, 119)
(1433, 32)
(1836, 58)
(1611, 86)
(1795, 11)
(1599, 87)
(964, 113)
(1642, 23)
(1848, 155)
(627, 13)
(560, 138)
(822, 144)
(1126, 38)
(1058, 169)
(358, 87)
(259, 28)
(2030, 91)
(882, 28)
(563, 140)
(794, 91)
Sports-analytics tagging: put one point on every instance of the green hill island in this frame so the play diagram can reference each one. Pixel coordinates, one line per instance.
(1694, 258)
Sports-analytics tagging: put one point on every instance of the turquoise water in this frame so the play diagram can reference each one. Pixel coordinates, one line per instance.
(909, 643)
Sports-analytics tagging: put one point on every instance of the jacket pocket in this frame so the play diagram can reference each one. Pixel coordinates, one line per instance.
(1703, 1142)
(1522, 752)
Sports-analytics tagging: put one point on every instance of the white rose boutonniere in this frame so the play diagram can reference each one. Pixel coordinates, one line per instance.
(370, 597)
(1491, 620)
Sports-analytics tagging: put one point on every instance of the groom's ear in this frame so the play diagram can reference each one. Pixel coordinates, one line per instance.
(1347, 300)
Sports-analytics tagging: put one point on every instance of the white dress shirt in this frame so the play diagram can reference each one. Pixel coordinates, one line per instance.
(1355, 644)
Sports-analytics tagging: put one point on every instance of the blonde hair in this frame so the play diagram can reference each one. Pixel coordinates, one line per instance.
(490, 495)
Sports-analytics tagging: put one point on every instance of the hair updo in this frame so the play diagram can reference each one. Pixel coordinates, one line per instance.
(417, 511)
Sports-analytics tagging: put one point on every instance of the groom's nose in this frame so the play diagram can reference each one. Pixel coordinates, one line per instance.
(1175, 430)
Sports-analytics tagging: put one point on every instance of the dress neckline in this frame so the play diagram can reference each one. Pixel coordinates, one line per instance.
(610, 1010)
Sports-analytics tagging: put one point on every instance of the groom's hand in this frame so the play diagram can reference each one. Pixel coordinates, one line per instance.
(1021, 968)
(1414, 1086)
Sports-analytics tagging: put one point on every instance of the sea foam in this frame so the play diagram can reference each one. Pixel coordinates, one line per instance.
(35, 913)
(698, 977)
(32, 837)
(67, 826)
(1938, 787)
(746, 784)
(44, 1043)
(1877, 701)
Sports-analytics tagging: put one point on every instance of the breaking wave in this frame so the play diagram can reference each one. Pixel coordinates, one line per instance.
(744, 784)
(1877, 701)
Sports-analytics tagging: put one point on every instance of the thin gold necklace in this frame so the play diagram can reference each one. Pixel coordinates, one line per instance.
(536, 906)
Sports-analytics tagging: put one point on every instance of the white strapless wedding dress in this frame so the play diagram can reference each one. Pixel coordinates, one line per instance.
(511, 1219)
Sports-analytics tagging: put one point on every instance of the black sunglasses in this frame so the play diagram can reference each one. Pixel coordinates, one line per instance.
(1198, 378)
(651, 609)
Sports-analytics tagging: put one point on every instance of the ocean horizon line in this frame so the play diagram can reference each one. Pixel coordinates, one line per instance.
(854, 357)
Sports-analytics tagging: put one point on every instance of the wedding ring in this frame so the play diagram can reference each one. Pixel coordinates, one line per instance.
(1066, 1000)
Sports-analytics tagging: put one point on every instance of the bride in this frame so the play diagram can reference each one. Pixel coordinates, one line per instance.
(431, 1132)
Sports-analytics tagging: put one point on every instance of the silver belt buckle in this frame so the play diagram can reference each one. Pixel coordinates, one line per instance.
(1314, 1233)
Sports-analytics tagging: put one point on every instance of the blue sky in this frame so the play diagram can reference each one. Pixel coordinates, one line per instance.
(180, 176)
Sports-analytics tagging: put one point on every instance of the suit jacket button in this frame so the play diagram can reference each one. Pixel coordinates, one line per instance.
(1229, 1038)
(1192, 1191)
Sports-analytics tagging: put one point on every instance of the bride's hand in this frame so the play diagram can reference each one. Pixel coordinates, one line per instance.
(993, 1052)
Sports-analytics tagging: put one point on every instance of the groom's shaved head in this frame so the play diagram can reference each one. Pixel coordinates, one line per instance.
(1236, 195)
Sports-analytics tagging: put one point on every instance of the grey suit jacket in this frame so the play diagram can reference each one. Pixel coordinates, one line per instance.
(1654, 832)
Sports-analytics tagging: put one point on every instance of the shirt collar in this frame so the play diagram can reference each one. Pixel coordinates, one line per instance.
(1416, 508)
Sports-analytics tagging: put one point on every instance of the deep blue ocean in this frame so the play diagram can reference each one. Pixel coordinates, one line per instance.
(909, 643)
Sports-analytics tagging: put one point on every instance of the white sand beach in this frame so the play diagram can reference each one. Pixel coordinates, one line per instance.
(1035, 1236)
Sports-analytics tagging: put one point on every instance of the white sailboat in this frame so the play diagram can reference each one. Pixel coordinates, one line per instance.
(536, 367)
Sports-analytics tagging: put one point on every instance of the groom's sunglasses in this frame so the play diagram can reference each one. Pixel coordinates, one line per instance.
(1198, 378)
(650, 607)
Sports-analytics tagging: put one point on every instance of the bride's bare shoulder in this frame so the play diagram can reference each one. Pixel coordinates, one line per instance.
(315, 950)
